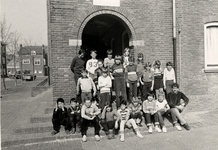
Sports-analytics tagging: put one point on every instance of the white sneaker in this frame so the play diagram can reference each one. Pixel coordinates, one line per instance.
(122, 138)
(164, 129)
(178, 127)
(84, 138)
(157, 128)
(97, 138)
(149, 129)
(139, 135)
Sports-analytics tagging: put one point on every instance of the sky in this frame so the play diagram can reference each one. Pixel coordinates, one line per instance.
(27, 17)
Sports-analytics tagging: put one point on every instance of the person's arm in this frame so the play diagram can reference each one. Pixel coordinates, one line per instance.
(170, 100)
(117, 115)
(109, 83)
(88, 65)
(126, 74)
(93, 86)
(139, 109)
(83, 114)
(103, 113)
(69, 110)
(145, 110)
(174, 76)
(55, 112)
(73, 64)
(100, 84)
(96, 110)
(164, 78)
(127, 115)
(167, 107)
(186, 100)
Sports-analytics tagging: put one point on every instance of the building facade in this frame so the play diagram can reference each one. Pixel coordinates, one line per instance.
(180, 31)
(33, 59)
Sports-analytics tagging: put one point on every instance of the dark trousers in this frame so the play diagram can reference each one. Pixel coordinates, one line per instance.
(137, 115)
(105, 98)
(76, 77)
(57, 124)
(132, 90)
(139, 90)
(148, 118)
(73, 120)
(146, 88)
(85, 123)
(120, 86)
(107, 125)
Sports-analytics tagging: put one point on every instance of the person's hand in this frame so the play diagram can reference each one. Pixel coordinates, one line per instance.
(127, 84)
(56, 107)
(62, 107)
(152, 88)
(137, 84)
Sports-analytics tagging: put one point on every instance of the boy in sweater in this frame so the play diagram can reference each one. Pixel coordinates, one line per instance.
(74, 115)
(104, 84)
(92, 64)
(89, 114)
(60, 117)
(132, 79)
(124, 114)
(118, 73)
(86, 85)
(149, 109)
(177, 102)
(169, 77)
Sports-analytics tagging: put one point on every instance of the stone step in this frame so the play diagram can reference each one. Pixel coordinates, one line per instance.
(41, 119)
(20, 139)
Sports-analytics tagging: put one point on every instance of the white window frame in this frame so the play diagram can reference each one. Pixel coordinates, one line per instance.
(212, 67)
(37, 60)
(24, 61)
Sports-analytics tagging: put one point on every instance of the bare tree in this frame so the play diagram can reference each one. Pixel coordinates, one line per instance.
(28, 42)
(5, 36)
(14, 48)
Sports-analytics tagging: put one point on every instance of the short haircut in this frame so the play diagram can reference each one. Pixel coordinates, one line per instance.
(60, 100)
(73, 100)
(148, 64)
(161, 94)
(123, 102)
(157, 62)
(81, 51)
(131, 59)
(109, 51)
(175, 85)
(84, 70)
(169, 64)
(150, 94)
(104, 70)
(93, 51)
(100, 60)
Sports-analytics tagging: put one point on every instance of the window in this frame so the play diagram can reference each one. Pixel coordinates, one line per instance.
(37, 61)
(26, 61)
(211, 46)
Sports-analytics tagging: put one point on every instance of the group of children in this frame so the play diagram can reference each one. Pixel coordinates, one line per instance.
(120, 74)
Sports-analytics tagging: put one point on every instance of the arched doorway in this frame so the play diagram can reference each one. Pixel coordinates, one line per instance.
(103, 32)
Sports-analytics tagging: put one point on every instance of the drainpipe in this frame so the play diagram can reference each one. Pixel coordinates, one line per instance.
(174, 38)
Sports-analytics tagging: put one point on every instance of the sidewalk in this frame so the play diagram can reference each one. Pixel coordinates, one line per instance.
(28, 120)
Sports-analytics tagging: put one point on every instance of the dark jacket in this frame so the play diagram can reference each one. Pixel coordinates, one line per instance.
(60, 114)
(76, 111)
(173, 99)
(77, 65)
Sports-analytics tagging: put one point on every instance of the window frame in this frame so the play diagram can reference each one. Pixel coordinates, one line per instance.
(206, 67)
(37, 60)
(26, 59)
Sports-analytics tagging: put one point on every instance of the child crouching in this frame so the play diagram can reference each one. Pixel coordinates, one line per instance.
(124, 120)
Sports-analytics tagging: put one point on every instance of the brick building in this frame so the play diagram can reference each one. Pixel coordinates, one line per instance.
(36, 54)
(181, 31)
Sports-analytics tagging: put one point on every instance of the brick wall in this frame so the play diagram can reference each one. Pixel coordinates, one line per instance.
(148, 20)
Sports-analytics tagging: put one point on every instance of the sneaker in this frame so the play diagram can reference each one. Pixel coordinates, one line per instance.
(186, 126)
(54, 132)
(109, 136)
(157, 129)
(97, 138)
(84, 138)
(122, 138)
(149, 129)
(178, 127)
(164, 129)
(139, 135)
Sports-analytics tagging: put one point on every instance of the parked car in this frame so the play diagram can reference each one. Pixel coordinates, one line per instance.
(28, 76)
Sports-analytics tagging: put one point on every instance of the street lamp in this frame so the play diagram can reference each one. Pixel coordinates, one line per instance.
(32, 54)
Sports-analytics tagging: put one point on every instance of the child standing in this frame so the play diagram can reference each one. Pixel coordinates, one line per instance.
(124, 114)
(136, 111)
(149, 109)
(132, 80)
(109, 61)
(119, 79)
(162, 108)
(74, 115)
(158, 78)
(92, 64)
(108, 122)
(169, 77)
(86, 85)
(140, 66)
(147, 80)
(126, 56)
(89, 114)
(104, 84)
(60, 117)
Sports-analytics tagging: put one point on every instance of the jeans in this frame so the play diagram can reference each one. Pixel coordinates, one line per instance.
(120, 86)
(85, 123)
(107, 125)
(160, 117)
(73, 120)
(105, 99)
(175, 113)
(85, 95)
(148, 118)
(57, 124)
(169, 84)
(76, 77)
(137, 115)
(146, 88)
(132, 90)
(129, 123)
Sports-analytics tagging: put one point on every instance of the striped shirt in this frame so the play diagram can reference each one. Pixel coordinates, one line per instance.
(124, 113)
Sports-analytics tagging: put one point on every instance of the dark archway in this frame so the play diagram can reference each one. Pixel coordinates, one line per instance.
(104, 32)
